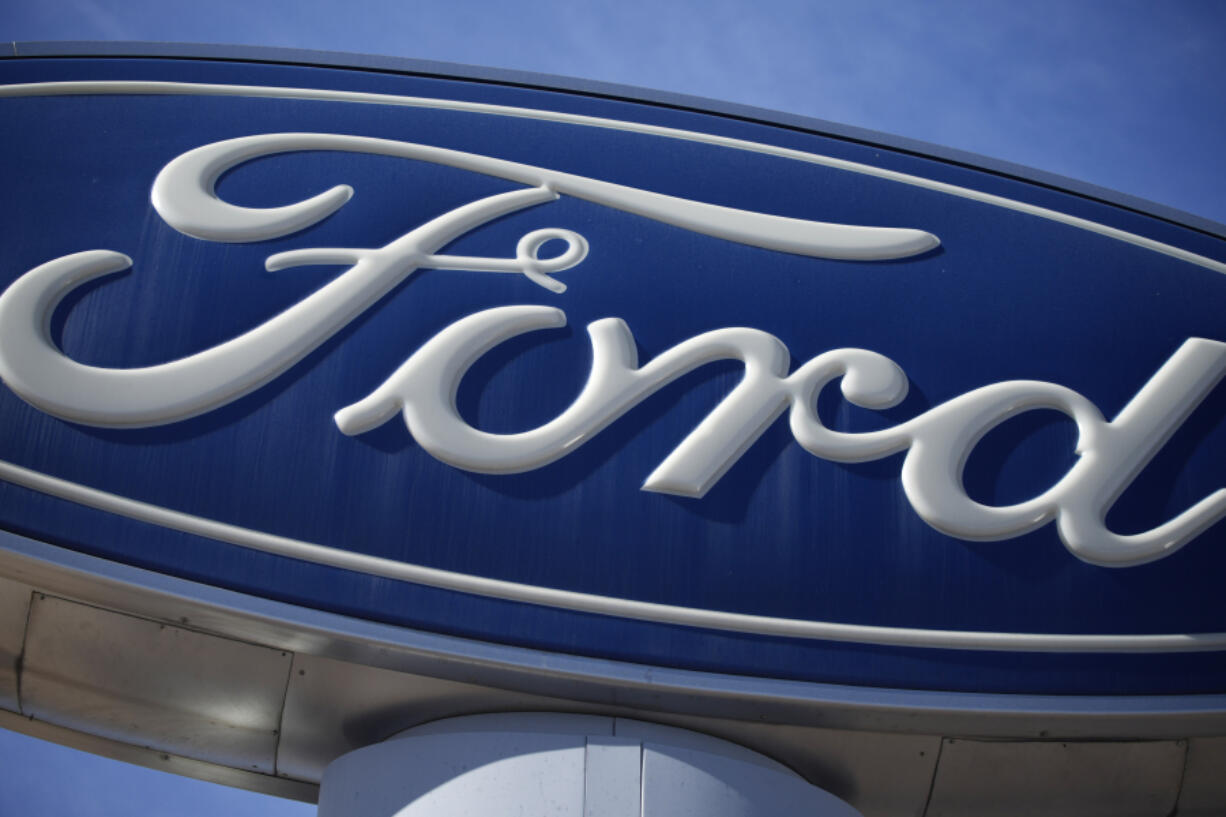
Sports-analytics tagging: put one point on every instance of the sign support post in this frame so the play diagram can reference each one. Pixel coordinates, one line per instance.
(572, 765)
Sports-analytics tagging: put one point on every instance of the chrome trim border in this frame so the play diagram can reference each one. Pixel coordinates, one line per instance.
(582, 680)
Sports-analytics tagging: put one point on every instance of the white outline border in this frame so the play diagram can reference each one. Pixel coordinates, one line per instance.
(149, 88)
(590, 603)
(604, 605)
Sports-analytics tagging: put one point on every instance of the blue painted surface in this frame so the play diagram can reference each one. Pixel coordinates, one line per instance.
(502, 76)
(782, 534)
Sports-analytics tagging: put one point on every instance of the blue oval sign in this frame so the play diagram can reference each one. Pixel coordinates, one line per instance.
(613, 379)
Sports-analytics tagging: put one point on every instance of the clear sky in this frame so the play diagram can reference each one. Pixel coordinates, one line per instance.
(1127, 94)
(1122, 93)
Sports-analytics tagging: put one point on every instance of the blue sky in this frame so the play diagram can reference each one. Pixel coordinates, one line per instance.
(1120, 93)
(45, 779)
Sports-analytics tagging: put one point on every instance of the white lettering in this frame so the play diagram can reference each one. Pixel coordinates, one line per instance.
(938, 442)
(184, 196)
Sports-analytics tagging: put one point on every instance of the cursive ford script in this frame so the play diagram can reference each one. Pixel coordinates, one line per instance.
(938, 442)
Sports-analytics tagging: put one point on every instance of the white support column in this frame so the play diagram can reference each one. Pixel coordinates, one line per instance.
(538, 764)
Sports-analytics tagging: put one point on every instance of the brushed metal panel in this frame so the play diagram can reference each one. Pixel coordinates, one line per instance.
(362, 682)
(600, 682)
(679, 781)
(14, 608)
(881, 774)
(1204, 779)
(491, 773)
(1110, 778)
(155, 685)
(334, 707)
(612, 777)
